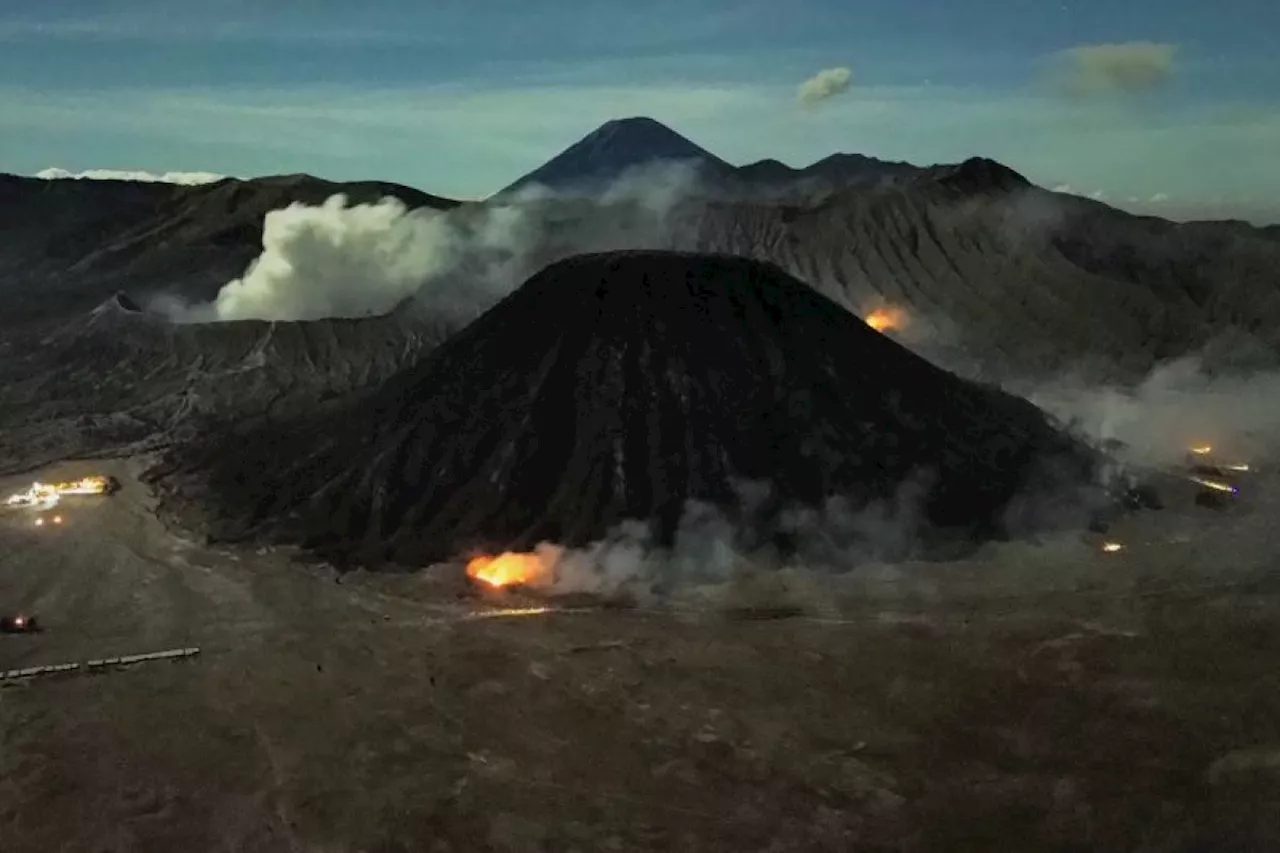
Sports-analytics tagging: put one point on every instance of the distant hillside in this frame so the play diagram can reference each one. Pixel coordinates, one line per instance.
(987, 266)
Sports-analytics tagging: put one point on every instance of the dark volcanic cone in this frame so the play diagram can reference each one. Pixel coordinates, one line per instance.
(618, 387)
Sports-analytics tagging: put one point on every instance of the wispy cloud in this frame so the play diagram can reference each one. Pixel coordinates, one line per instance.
(1117, 68)
(388, 22)
(824, 85)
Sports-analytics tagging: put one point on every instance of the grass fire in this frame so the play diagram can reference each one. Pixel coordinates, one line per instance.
(47, 495)
(886, 319)
(509, 569)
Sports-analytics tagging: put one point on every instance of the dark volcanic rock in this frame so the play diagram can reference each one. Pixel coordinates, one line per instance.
(618, 387)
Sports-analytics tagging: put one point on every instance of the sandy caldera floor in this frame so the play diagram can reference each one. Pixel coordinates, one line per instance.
(1036, 698)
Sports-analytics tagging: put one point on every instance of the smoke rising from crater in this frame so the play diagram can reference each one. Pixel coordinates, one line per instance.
(343, 260)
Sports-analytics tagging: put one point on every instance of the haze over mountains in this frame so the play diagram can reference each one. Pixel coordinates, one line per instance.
(990, 274)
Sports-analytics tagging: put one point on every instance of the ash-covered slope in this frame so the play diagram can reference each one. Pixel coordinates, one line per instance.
(1022, 279)
(67, 244)
(118, 378)
(620, 386)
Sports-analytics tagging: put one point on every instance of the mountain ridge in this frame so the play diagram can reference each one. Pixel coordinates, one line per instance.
(622, 145)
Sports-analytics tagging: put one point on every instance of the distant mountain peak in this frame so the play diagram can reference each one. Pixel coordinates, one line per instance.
(978, 174)
(615, 147)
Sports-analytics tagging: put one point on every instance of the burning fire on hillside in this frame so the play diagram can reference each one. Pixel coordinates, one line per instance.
(47, 495)
(886, 319)
(510, 569)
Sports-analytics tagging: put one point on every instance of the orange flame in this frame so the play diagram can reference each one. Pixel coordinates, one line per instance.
(886, 319)
(508, 569)
(48, 494)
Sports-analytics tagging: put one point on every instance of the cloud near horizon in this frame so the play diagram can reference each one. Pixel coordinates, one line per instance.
(182, 178)
(824, 85)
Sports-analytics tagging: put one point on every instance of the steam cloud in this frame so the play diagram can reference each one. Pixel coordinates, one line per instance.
(826, 84)
(343, 260)
(183, 178)
(1126, 67)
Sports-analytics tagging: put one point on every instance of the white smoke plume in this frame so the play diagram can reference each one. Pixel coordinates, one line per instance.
(343, 260)
(183, 178)
(824, 85)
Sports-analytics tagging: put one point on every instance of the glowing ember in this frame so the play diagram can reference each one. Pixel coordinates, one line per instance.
(1112, 547)
(886, 319)
(512, 612)
(1202, 450)
(57, 519)
(47, 495)
(1240, 466)
(1216, 485)
(39, 522)
(508, 569)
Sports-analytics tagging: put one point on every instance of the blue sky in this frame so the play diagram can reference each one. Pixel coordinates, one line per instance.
(460, 97)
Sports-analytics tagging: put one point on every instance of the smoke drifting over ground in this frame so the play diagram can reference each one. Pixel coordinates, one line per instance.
(1178, 405)
(182, 178)
(725, 554)
(342, 260)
